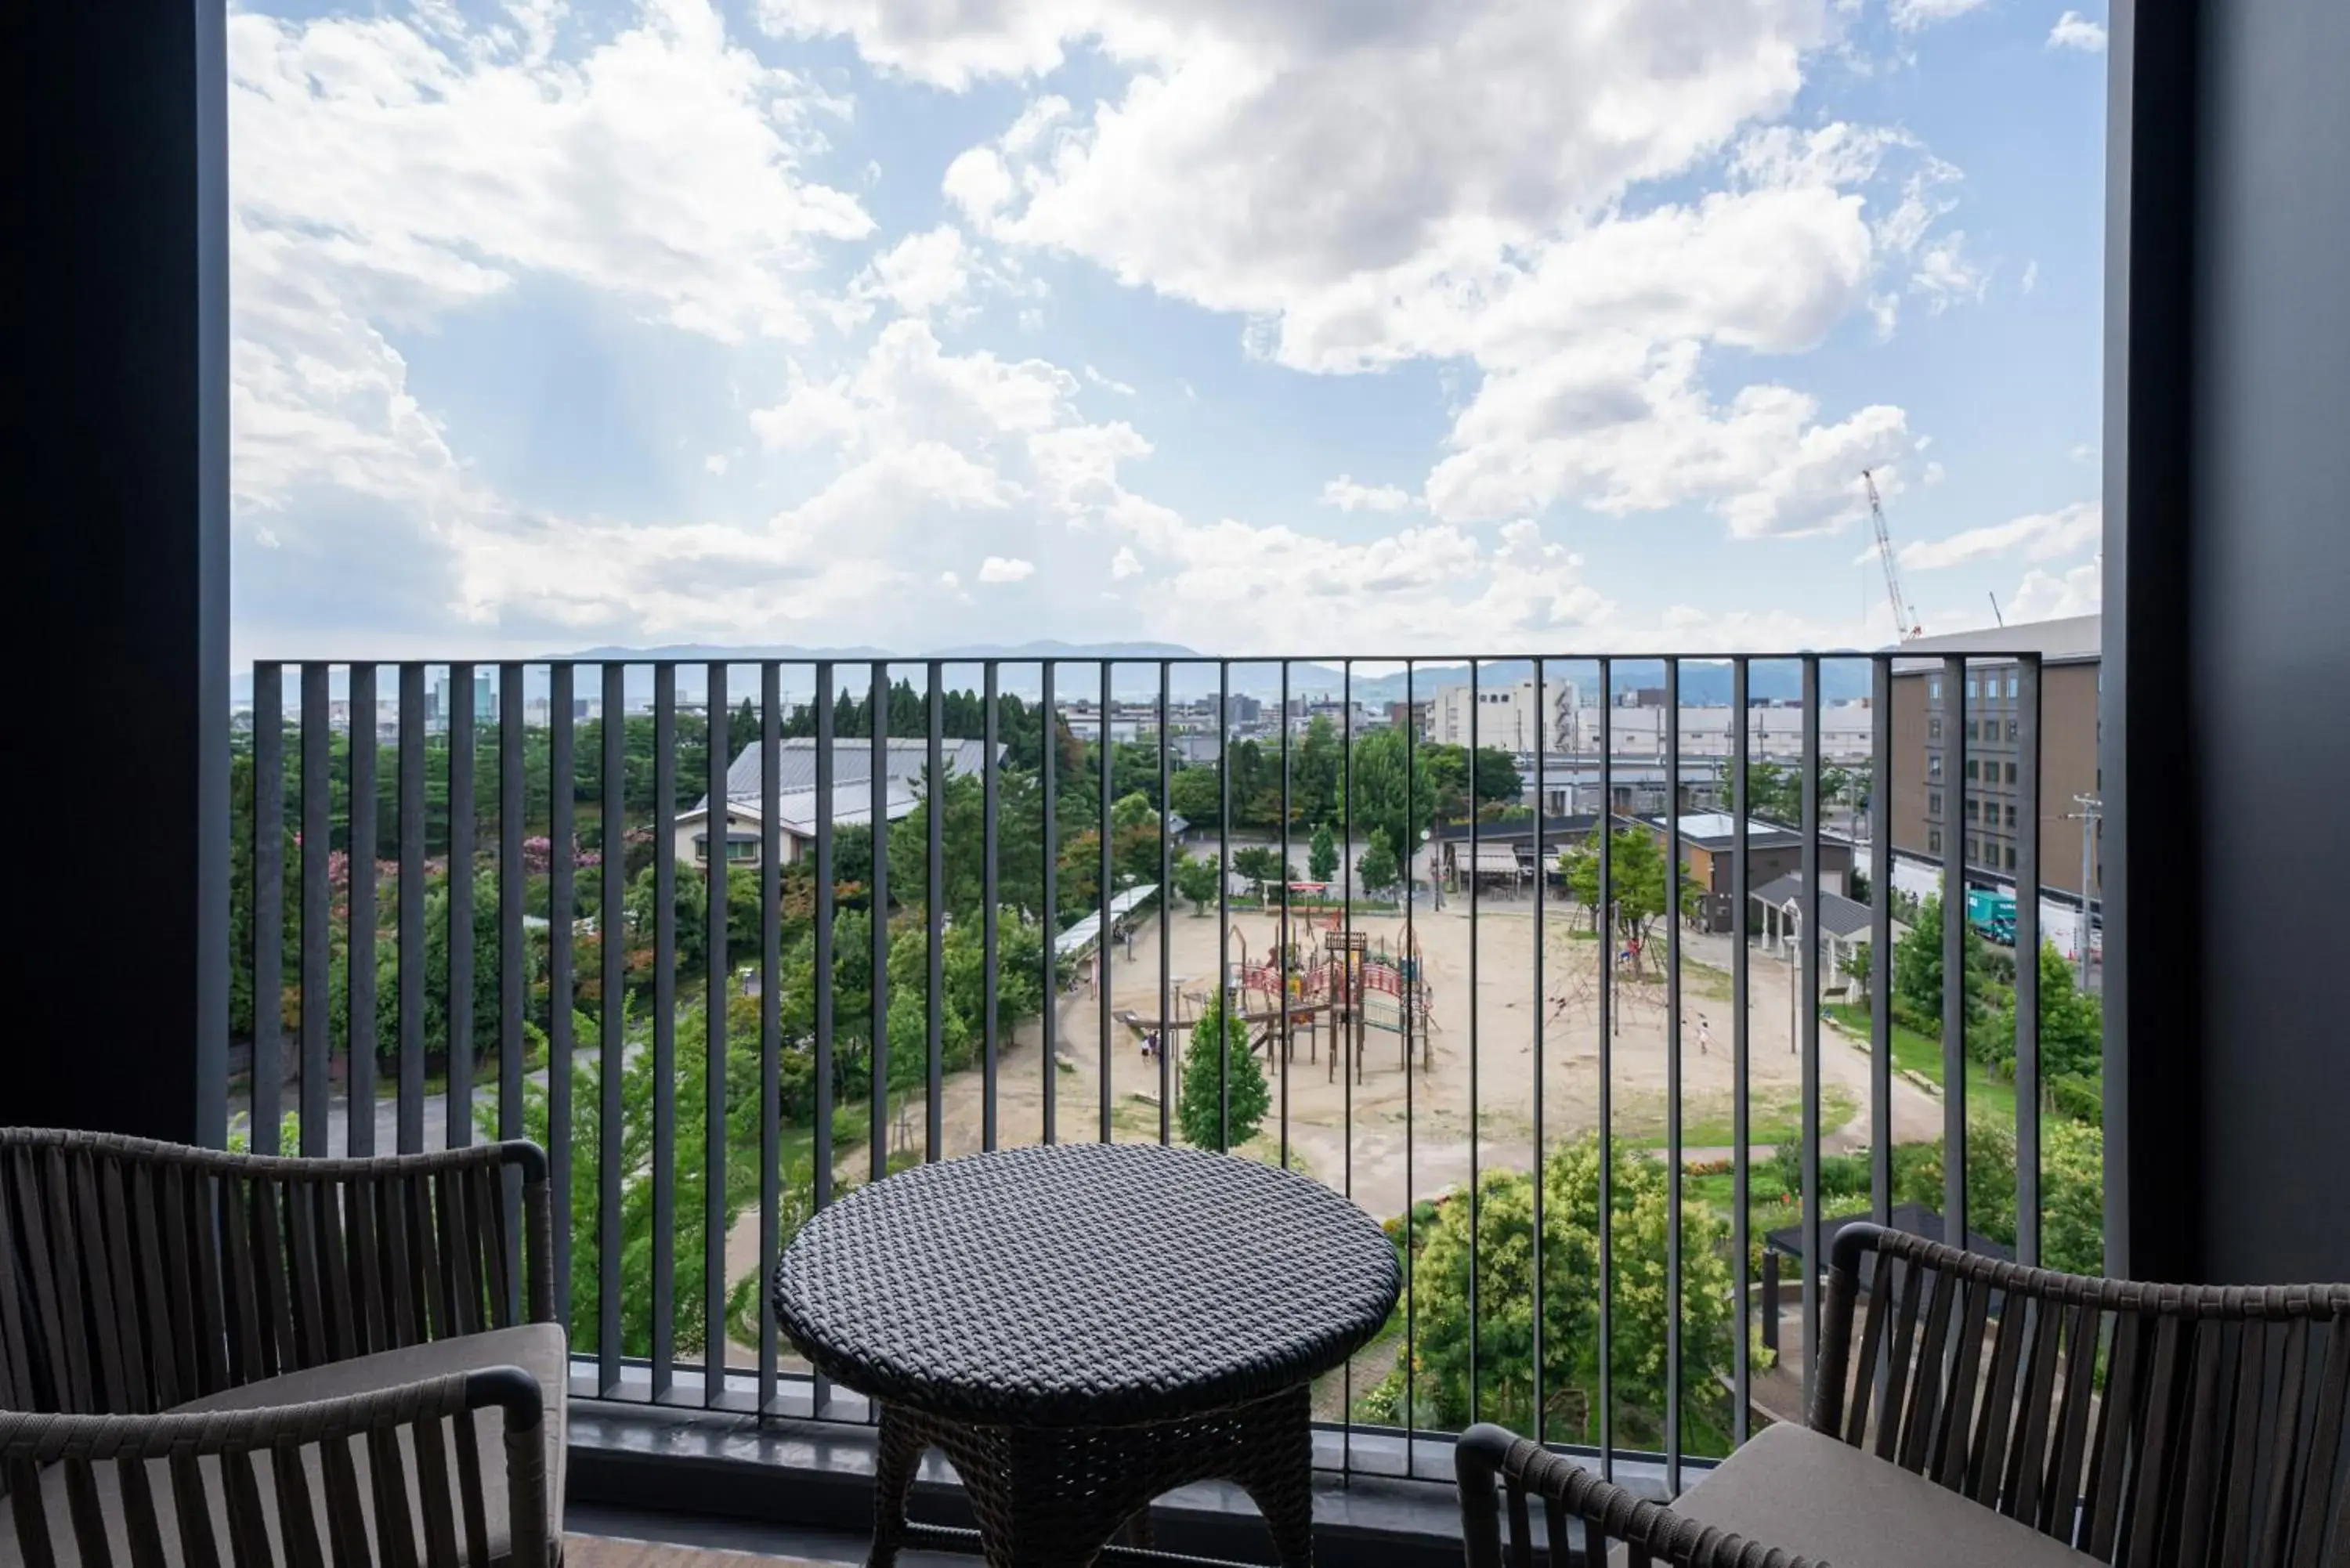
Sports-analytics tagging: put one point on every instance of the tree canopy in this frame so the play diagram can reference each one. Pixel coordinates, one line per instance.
(1221, 1106)
(1504, 1324)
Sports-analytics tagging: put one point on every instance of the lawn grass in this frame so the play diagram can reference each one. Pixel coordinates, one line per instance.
(1989, 1096)
(1707, 1120)
(1765, 1208)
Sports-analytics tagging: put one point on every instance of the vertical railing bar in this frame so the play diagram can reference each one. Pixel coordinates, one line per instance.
(1740, 1078)
(411, 935)
(458, 1107)
(612, 984)
(1606, 829)
(1347, 1020)
(1285, 933)
(823, 701)
(664, 1139)
(2027, 962)
(1407, 971)
(934, 892)
(359, 938)
(876, 795)
(1102, 896)
(770, 1019)
(562, 907)
(718, 873)
(1954, 958)
(1223, 904)
(1808, 973)
(1475, 696)
(318, 840)
(1049, 766)
(1166, 913)
(268, 956)
(1880, 941)
(1541, 1043)
(1672, 916)
(989, 1043)
(512, 828)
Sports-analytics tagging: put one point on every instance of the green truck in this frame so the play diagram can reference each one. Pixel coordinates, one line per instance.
(1993, 915)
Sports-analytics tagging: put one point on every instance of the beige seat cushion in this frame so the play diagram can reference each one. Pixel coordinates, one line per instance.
(1802, 1491)
(537, 1348)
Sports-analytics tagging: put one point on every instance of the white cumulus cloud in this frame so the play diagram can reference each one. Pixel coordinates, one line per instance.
(2075, 31)
(1006, 569)
(1911, 14)
(2052, 595)
(2036, 536)
(1347, 495)
(1316, 172)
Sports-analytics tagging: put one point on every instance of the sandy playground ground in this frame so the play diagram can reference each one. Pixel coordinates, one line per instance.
(1397, 1137)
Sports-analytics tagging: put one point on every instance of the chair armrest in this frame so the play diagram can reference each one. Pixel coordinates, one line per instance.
(239, 1440)
(1497, 1466)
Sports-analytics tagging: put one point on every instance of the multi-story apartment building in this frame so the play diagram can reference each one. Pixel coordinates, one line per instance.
(1937, 797)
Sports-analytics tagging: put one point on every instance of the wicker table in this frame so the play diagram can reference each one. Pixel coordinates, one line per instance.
(1082, 1328)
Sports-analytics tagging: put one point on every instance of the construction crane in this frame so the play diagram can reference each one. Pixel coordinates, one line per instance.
(1905, 620)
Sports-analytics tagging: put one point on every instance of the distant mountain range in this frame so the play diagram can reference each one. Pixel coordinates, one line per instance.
(1702, 682)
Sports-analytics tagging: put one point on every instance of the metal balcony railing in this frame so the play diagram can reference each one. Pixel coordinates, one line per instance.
(548, 897)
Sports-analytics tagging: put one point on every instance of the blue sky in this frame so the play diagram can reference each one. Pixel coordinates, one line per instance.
(1318, 326)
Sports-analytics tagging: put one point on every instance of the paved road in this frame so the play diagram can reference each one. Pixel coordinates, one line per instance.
(387, 1114)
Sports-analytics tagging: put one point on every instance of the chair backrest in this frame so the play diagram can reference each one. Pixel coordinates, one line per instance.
(2155, 1424)
(135, 1275)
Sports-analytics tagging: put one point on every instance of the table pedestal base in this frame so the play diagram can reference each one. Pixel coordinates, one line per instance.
(1052, 1497)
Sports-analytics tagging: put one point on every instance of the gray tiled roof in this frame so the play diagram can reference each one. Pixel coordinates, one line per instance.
(852, 763)
(1838, 915)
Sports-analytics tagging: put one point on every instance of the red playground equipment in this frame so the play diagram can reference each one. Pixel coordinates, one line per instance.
(1343, 977)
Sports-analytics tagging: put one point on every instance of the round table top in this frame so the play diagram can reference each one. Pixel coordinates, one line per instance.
(1084, 1284)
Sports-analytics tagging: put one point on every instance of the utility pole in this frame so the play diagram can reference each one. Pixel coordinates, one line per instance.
(2092, 812)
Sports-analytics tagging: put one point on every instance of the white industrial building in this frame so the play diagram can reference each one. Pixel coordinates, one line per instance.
(1507, 717)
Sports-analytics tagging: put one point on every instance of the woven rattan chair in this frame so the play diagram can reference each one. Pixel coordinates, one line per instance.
(210, 1357)
(1988, 1413)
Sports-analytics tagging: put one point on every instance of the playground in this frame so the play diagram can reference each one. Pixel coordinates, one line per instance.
(1335, 1013)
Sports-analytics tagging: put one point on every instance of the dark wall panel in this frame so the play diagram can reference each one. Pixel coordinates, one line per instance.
(2227, 703)
(2270, 604)
(118, 388)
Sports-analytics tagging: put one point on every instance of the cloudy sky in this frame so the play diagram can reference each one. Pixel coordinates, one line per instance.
(1261, 325)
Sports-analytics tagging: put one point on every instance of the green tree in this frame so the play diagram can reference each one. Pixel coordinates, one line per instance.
(1314, 772)
(1918, 988)
(1196, 878)
(1394, 795)
(1223, 1097)
(1855, 968)
(962, 845)
(1196, 795)
(744, 920)
(1504, 1324)
(2071, 1022)
(1771, 791)
(638, 1239)
(1636, 872)
(1452, 772)
(486, 973)
(1259, 864)
(1378, 868)
(2072, 1188)
(1322, 855)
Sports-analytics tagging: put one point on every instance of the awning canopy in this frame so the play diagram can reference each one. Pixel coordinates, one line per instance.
(1081, 937)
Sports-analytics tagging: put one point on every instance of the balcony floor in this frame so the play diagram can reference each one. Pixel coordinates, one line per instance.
(605, 1537)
